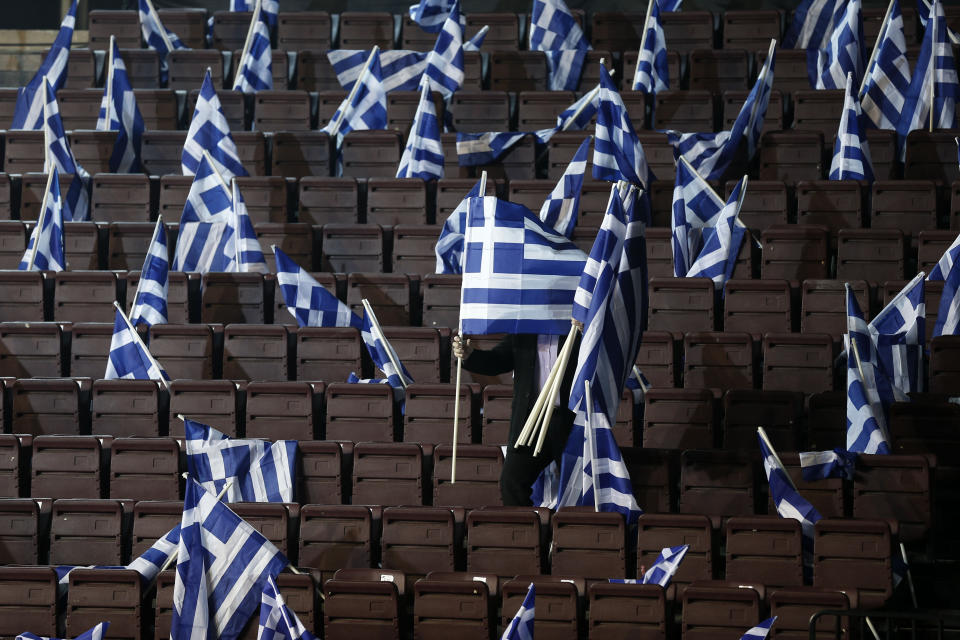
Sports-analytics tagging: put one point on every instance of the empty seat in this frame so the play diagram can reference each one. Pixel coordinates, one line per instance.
(143, 67)
(795, 606)
(160, 152)
(588, 544)
(13, 243)
(684, 111)
(389, 474)
(626, 611)
(304, 30)
(717, 483)
(23, 151)
(350, 248)
(94, 595)
(497, 406)
(560, 604)
(128, 243)
(757, 306)
(420, 349)
(539, 109)
(233, 297)
(778, 412)
(324, 200)
(392, 201)
(158, 108)
(854, 556)
(652, 477)
(322, 480)
(827, 419)
(252, 151)
(798, 362)
(20, 527)
(656, 358)
(791, 156)
(944, 370)
(719, 70)
(188, 23)
(89, 344)
(145, 469)
(816, 110)
(931, 246)
(908, 205)
(22, 297)
(617, 31)
(504, 33)
(795, 253)
(750, 29)
(413, 249)
(718, 610)
(835, 204)
(389, 295)
(731, 102)
(360, 412)
(688, 31)
(402, 107)
(315, 73)
(371, 154)
(368, 604)
(334, 537)
(188, 66)
(429, 409)
(364, 30)
(875, 255)
(128, 408)
(718, 360)
(255, 352)
(230, 29)
(455, 604)
(212, 402)
(930, 157)
(656, 531)
(265, 197)
(79, 108)
(883, 153)
(123, 25)
(895, 487)
(47, 407)
(120, 197)
(86, 532)
(518, 71)
(283, 110)
(441, 300)
(659, 154)
(764, 550)
(505, 542)
(28, 600)
(681, 304)
(418, 540)
(824, 307)
(280, 410)
(478, 475)
(764, 206)
(12, 462)
(479, 111)
(30, 349)
(81, 245)
(92, 149)
(678, 419)
(84, 296)
(328, 353)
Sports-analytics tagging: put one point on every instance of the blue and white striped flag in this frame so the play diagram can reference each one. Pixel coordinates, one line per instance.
(718, 256)
(277, 620)
(948, 315)
(76, 204)
(923, 12)
(810, 28)
(149, 563)
(866, 418)
(665, 566)
(444, 70)
(950, 257)
(150, 301)
(617, 153)
(888, 76)
(521, 625)
(158, 37)
(696, 208)
(474, 149)
(851, 151)
(760, 631)
(206, 228)
(898, 334)
(243, 254)
(129, 358)
(96, 633)
(671, 6)
(431, 14)
(818, 465)
(119, 112)
(788, 501)
(222, 566)
(423, 156)
(45, 248)
(576, 117)
(255, 71)
(210, 132)
(307, 301)
(652, 73)
(519, 274)
(554, 31)
(562, 205)
(844, 54)
(710, 154)
(400, 70)
(270, 8)
(449, 247)
(935, 71)
(382, 353)
(28, 112)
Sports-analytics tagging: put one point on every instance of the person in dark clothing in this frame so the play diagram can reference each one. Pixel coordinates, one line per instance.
(530, 357)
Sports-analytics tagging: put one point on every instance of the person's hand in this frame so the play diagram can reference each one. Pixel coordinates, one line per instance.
(577, 324)
(461, 349)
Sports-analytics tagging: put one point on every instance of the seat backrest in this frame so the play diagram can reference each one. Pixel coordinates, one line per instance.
(304, 30)
(792, 155)
(94, 595)
(429, 410)
(363, 30)
(495, 418)
(92, 149)
(188, 66)
(160, 153)
(390, 296)
(81, 246)
(678, 418)
(750, 29)
(539, 109)
(20, 529)
(479, 111)
(504, 33)
(765, 550)
(854, 556)
(271, 519)
(827, 419)
(560, 604)
(929, 157)
(178, 294)
(413, 249)
(212, 402)
(778, 412)
(653, 477)
(798, 362)
(690, 110)
(418, 540)
(230, 29)
(687, 32)
(189, 24)
(233, 297)
(518, 71)
(281, 411)
(334, 537)
(328, 353)
(835, 204)
(823, 305)
(815, 110)
(143, 67)
(128, 243)
(30, 349)
(444, 606)
(120, 197)
(720, 69)
(255, 352)
(626, 610)
(284, 110)
(13, 238)
(718, 610)
(186, 351)
(478, 475)
(795, 606)
(718, 360)
(152, 519)
(895, 487)
(145, 469)
(79, 108)
(874, 254)
(360, 412)
(371, 154)
(393, 201)
(89, 344)
(681, 304)
(757, 306)
(47, 406)
(617, 31)
(795, 252)
(505, 542)
(588, 544)
(158, 107)
(323, 480)
(717, 483)
(388, 473)
(352, 248)
(944, 372)
(315, 73)
(86, 532)
(656, 358)
(266, 199)
(324, 199)
(28, 600)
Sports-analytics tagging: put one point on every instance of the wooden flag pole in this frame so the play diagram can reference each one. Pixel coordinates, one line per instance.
(533, 420)
(763, 436)
(562, 359)
(876, 47)
(913, 593)
(162, 29)
(356, 86)
(639, 377)
(378, 334)
(246, 44)
(136, 336)
(40, 221)
(580, 109)
(110, 63)
(643, 36)
(136, 293)
(932, 24)
(590, 443)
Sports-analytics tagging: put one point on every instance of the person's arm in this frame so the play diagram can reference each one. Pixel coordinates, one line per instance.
(491, 362)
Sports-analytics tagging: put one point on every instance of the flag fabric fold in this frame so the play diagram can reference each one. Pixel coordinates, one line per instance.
(255, 70)
(76, 203)
(95, 633)
(243, 254)
(948, 314)
(652, 73)
(760, 631)
(562, 205)
(665, 566)
(383, 354)
(818, 465)
(718, 256)
(363, 109)
(898, 336)
(888, 76)
(617, 152)
(423, 155)
(400, 69)
(444, 64)
(269, 8)
(277, 620)
(554, 31)
(307, 301)
(205, 224)
(866, 419)
(449, 247)
(210, 132)
(810, 27)
(158, 37)
(129, 358)
(150, 299)
(46, 240)
(851, 151)
(521, 625)
(119, 112)
(844, 54)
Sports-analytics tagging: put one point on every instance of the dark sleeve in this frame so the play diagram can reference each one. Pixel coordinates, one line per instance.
(494, 361)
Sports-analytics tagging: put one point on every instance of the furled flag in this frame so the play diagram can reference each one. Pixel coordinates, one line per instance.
(810, 28)
(76, 204)
(277, 620)
(307, 301)
(255, 71)
(718, 256)
(150, 562)
(95, 633)
(936, 72)
(521, 625)
(28, 112)
(210, 132)
(866, 419)
(400, 70)
(449, 247)
(923, 12)
(844, 54)
(205, 224)
(382, 353)
(150, 300)
(710, 154)
(898, 334)
(562, 205)
(129, 358)
(423, 156)
(270, 8)
(45, 248)
(519, 275)
(158, 37)
(554, 31)
(817, 465)
(652, 73)
(243, 253)
(696, 210)
(119, 112)
(666, 564)
(364, 108)
(222, 566)
(617, 153)
(888, 74)
(851, 151)
(760, 631)
(260, 471)
(444, 71)
(948, 315)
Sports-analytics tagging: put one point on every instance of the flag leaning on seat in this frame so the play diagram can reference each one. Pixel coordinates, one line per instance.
(666, 564)
(810, 27)
(222, 566)
(696, 210)
(45, 248)
(423, 155)
(149, 563)
(950, 257)
(243, 253)
(554, 31)
(210, 132)
(255, 70)
(205, 224)
(28, 111)
(888, 76)
(844, 54)
(652, 73)
(400, 70)
(95, 633)
(306, 300)
(129, 358)
(760, 631)
(617, 152)
(898, 334)
(718, 256)
(851, 151)
(866, 418)
(269, 8)
(562, 205)
(150, 299)
(521, 625)
(277, 620)
(449, 247)
(119, 112)
(158, 37)
(76, 203)
(948, 315)
(444, 71)
(817, 465)
(382, 353)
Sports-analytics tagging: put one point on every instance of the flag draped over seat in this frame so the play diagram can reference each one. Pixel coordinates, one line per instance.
(882, 94)
(521, 625)
(562, 205)
(617, 152)
(210, 132)
(554, 31)
(205, 225)
(129, 358)
(158, 37)
(95, 633)
(851, 151)
(837, 463)
(810, 27)
(382, 354)
(277, 620)
(119, 112)
(255, 70)
(423, 155)
(76, 203)
(307, 301)
(150, 299)
(149, 563)
(718, 256)
(844, 53)
(760, 631)
(652, 73)
(665, 566)
(45, 247)
(950, 257)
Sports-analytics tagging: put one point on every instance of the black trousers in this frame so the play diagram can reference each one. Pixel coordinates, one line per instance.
(521, 467)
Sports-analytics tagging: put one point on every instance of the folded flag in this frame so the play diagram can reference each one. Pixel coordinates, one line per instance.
(844, 53)
(718, 256)
(521, 625)
(400, 70)
(444, 70)
(129, 358)
(554, 31)
(119, 112)
(948, 315)
(851, 151)
(243, 254)
(866, 419)
(205, 224)
(449, 247)
(382, 353)
(150, 299)
(819, 465)
(560, 208)
(617, 152)
(306, 300)
(158, 37)
(210, 132)
(76, 204)
(277, 620)
(255, 69)
(666, 564)
(95, 633)
(810, 27)
(423, 156)
(45, 248)
(652, 73)
(760, 631)
(888, 75)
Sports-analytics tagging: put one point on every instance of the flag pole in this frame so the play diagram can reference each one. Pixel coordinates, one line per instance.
(580, 109)
(763, 436)
(136, 336)
(876, 47)
(145, 261)
(562, 360)
(913, 593)
(223, 183)
(162, 29)
(246, 43)
(589, 433)
(110, 83)
(643, 36)
(932, 24)
(375, 325)
(356, 86)
(639, 377)
(42, 218)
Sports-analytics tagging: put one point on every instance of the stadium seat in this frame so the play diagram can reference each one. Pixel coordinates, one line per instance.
(388, 294)
(393, 201)
(688, 31)
(233, 297)
(656, 531)
(299, 593)
(23, 152)
(718, 484)
(281, 110)
(764, 206)
(560, 152)
(304, 31)
(883, 153)
(621, 611)
(79, 108)
(908, 205)
(757, 306)
(588, 544)
(712, 610)
(690, 110)
(297, 154)
(30, 349)
(824, 308)
(895, 487)
(81, 246)
(764, 550)
(252, 151)
(518, 71)
(211, 402)
(455, 604)
(418, 540)
(817, 110)
(328, 353)
(441, 300)
(480, 111)
(875, 255)
(731, 101)
(659, 251)
(13, 243)
(930, 157)
(652, 477)
(413, 249)
(163, 609)
(8, 104)
(749, 29)
(143, 67)
(719, 70)
(617, 31)
(530, 193)
(478, 475)
(944, 372)
(315, 73)
(364, 605)
(371, 154)
(280, 410)
(451, 161)
(352, 248)
(360, 412)
(48, 406)
(681, 304)
(188, 66)
(28, 600)
(6, 210)
(265, 197)
(779, 412)
(503, 541)
(13, 463)
(94, 595)
(798, 362)
(504, 33)
(835, 204)
(158, 108)
(429, 409)
(89, 346)
(931, 245)
(497, 404)
(794, 607)
(791, 156)
(322, 480)
(92, 149)
(659, 154)
(854, 556)
(172, 198)
(230, 29)
(324, 200)
(657, 360)
(255, 352)
(19, 533)
(827, 495)
(539, 109)
(86, 532)
(128, 408)
(402, 107)
(387, 473)
(123, 25)
(120, 197)
(160, 153)
(178, 299)
(678, 419)
(560, 604)
(271, 519)
(827, 419)
(795, 253)
(364, 30)
(188, 23)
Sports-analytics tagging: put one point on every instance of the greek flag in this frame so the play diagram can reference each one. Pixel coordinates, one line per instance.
(923, 11)
(243, 254)
(810, 28)
(818, 465)
(205, 224)
(946, 262)
(129, 358)
(45, 248)
(158, 37)
(948, 315)
(710, 154)
(521, 626)
(444, 70)
(760, 631)
(617, 153)
(786, 498)
(431, 14)
(119, 112)
(844, 54)
(935, 71)
(696, 209)
(888, 76)
(554, 31)
(866, 418)
(96, 633)
(666, 564)
(260, 471)
(222, 566)
(475, 149)
(29, 110)
(560, 209)
(851, 151)
(652, 74)
(255, 71)
(210, 132)
(576, 117)
(449, 247)
(400, 70)
(76, 205)
(150, 301)
(307, 301)
(269, 8)
(363, 109)
(423, 156)
(520, 275)
(671, 6)
(149, 563)
(898, 335)
(382, 353)
(719, 254)
(277, 620)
